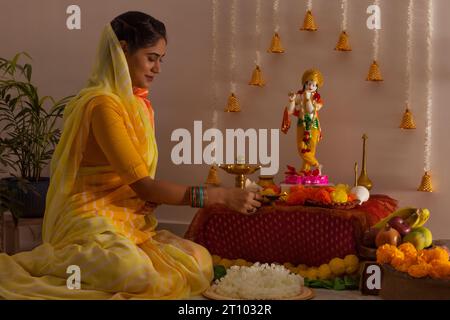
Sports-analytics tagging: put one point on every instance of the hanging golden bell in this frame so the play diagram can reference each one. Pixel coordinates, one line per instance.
(343, 42)
(275, 46)
(426, 185)
(408, 120)
(374, 72)
(309, 24)
(233, 104)
(257, 78)
(213, 177)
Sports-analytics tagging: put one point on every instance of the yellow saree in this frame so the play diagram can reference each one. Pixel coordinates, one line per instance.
(96, 222)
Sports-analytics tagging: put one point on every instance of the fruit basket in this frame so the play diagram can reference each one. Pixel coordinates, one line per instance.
(343, 206)
(415, 275)
(398, 285)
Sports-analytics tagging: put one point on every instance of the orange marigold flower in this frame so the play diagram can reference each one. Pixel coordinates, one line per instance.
(402, 267)
(297, 188)
(408, 249)
(424, 255)
(311, 192)
(421, 260)
(387, 252)
(440, 269)
(438, 253)
(296, 198)
(323, 196)
(419, 270)
(402, 264)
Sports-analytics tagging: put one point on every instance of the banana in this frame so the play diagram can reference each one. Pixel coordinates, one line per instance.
(413, 220)
(424, 215)
(403, 213)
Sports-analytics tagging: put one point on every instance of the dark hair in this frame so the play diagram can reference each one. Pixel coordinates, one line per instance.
(138, 29)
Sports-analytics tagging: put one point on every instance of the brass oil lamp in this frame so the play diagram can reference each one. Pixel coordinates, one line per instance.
(241, 170)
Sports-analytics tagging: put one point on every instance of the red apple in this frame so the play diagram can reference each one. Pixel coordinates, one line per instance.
(388, 235)
(400, 225)
(369, 237)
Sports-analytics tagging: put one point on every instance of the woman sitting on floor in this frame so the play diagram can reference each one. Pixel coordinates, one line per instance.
(102, 193)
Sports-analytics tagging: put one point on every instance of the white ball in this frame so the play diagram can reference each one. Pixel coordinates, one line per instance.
(362, 194)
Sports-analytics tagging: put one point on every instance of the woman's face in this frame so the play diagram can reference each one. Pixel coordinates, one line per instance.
(144, 63)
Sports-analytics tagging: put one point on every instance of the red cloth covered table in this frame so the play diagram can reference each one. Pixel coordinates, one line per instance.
(280, 233)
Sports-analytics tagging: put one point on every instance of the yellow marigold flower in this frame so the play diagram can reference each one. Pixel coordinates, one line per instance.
(302, 267)
(239, 262)
(387, 252)
(226, 263)
(293, 269)
(312, 273)
(324, 272)
(216, 259)
(351, 263)
(288, 265)
(352, 269)
(337, 266)
(419, 270)
(408, 250)
(302, 272)
(351, 260)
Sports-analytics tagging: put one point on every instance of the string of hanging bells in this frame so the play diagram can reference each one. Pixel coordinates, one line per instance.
(309, 23)
(275, 45)
(233, 104)
(426, 185)
(408, 122)
(374, 72)
(343, 43)
(257, 78)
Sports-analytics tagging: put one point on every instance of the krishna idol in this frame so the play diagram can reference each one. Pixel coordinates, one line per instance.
(306, 104)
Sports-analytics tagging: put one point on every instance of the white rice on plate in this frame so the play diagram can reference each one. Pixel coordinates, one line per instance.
(259, 282)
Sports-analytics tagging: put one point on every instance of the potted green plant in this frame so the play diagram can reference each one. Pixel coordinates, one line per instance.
(28, 137)
(12, 192)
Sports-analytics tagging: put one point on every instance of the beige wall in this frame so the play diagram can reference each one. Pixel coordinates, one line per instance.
(182, 93)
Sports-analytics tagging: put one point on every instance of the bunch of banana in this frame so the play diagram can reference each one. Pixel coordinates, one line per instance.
(414, 217)
(418, 218)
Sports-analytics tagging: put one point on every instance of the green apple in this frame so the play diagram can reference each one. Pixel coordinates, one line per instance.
(417, 239)
(427, 234)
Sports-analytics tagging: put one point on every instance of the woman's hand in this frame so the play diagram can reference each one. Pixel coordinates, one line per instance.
(243, 201)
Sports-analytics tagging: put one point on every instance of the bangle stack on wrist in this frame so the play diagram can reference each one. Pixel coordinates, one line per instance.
(198, 197)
